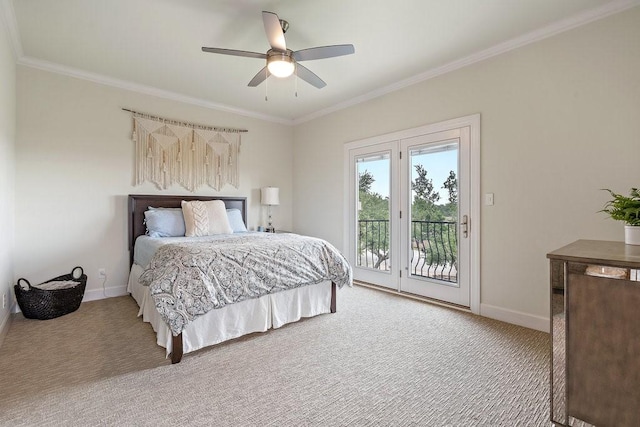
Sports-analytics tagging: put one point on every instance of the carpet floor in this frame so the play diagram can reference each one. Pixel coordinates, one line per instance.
(380, 360)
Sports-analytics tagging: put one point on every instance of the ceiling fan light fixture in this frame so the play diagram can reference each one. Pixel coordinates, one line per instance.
(280, 64)
(283, 62)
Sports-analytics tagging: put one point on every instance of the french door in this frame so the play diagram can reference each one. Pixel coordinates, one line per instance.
(412, 209)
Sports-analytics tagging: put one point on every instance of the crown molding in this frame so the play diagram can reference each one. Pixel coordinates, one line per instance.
(9, 15)
(515, 43)
(11, 23)
(143, 89)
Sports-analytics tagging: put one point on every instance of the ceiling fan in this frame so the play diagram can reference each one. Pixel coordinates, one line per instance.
(282, 62)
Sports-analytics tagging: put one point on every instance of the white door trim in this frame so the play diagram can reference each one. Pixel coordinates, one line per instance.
(473, 122)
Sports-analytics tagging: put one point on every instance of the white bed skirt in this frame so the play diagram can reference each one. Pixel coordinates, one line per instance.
(235, 320)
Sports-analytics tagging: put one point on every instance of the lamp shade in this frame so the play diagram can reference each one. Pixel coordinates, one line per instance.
(270, 196)
(280, 68)
(280, 64)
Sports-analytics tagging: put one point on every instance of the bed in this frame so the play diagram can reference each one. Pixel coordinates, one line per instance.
(230, 319)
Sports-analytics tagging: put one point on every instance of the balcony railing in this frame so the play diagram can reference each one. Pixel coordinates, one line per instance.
(373, 244)
(434, 248)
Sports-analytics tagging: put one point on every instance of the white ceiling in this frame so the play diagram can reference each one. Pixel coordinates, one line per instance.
(155, 45)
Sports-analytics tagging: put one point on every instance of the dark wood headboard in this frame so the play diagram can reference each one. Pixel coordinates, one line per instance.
(138, 203)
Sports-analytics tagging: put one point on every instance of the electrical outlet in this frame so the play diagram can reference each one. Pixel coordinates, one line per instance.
(4, 301)
(102, 273)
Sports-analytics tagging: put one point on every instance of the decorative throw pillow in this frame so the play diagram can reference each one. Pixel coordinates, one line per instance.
(205, 218)
(235, 221)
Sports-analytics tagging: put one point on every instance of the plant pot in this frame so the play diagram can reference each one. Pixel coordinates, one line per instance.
(632, 234)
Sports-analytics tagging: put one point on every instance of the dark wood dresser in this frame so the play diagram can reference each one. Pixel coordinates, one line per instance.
(595, 334)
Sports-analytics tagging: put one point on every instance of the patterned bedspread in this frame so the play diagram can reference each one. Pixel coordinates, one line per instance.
(189, 279)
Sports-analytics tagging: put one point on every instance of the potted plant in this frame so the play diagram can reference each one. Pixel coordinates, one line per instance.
(627, 209)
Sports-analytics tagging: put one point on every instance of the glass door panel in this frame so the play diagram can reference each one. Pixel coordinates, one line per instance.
(434, 212)
(373, 230)
(373, 233)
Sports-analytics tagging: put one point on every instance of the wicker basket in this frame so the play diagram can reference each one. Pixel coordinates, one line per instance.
(42, 304)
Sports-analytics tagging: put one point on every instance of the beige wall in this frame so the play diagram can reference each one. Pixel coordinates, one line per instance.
(7, 158)
(560, 120)
(74, 170)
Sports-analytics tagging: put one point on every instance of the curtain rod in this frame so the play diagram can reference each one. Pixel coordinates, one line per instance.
(183, 123)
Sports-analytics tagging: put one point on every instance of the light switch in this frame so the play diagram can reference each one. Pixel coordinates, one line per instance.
(488, 199)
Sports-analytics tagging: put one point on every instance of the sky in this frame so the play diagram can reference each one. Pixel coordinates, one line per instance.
(437, 164)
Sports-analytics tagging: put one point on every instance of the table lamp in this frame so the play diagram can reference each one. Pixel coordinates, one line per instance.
(270, 197)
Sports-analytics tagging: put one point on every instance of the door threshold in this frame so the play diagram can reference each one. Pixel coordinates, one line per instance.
(413, 296)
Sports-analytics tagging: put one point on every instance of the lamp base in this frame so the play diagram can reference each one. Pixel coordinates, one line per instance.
(270, 229)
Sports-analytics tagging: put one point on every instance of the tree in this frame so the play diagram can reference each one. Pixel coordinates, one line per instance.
(451, 185)
(432, 234)
(433, 228)
(450, 210)
(423, 207)
(423, 186)
(373, 221)
(365, 181)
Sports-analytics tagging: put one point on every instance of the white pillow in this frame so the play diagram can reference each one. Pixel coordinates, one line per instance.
(205, 218)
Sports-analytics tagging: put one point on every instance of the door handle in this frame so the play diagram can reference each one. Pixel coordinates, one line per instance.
(464, 226)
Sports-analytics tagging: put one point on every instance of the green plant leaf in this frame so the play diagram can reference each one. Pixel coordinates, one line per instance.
(624, 208)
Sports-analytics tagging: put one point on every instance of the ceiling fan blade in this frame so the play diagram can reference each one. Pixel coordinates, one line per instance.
(309, 76)
(235, 52)
(259, 78)
(323, 52)
(272, 27)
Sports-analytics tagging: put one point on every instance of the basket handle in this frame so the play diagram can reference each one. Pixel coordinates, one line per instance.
(22, 286)
(73, 272)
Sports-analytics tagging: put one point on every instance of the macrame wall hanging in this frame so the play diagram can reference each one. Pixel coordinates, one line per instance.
(171, 152)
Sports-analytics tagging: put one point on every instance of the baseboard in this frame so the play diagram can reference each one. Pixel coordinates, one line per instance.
(4, 326)
(96, 294)
(93, 295)
(519, 318)
(412, 296)
(530, 321)
(505, 315)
